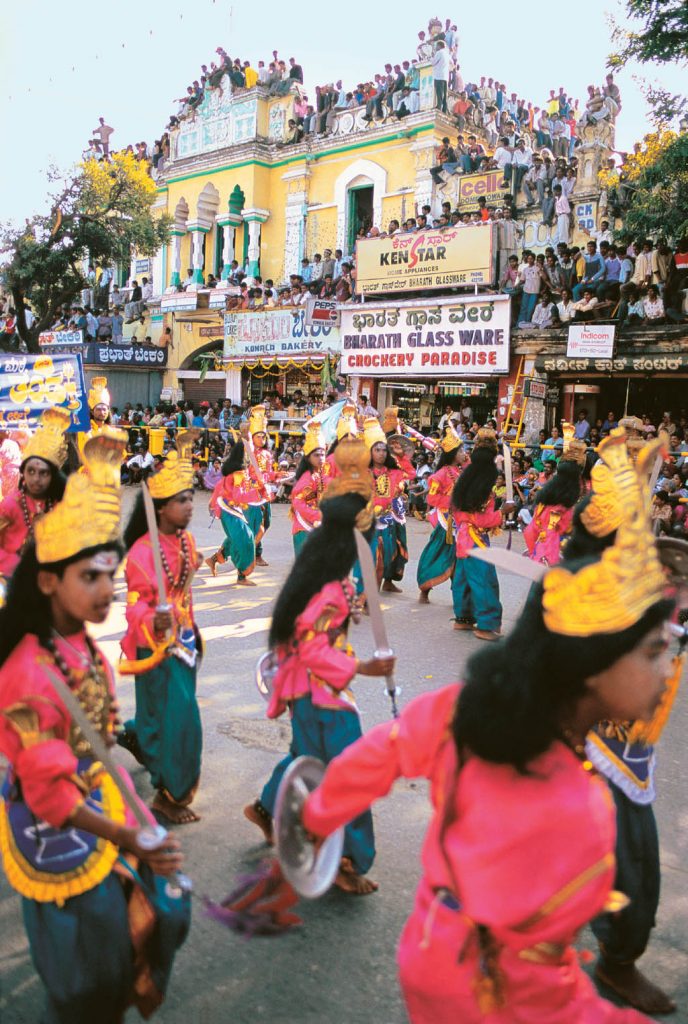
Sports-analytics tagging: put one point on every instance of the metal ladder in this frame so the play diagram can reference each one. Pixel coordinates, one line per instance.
(517, 406)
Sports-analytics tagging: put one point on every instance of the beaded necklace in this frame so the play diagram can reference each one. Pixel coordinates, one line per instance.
(90, 686)
(26, 512)
(185, 568)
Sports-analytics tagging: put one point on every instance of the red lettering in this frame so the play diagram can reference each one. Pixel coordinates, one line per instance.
(445, 358)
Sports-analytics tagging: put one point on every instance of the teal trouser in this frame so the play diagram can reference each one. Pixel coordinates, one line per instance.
(324, 733)
(299, 539)
(265, 518)
(239, 543)
(437, 560)
(475, 592)
(167, 726)
(83, 954)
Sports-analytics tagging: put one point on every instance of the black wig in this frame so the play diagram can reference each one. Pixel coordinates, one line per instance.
(519, 690)
(564, 488)
(474, 487)
(27, 609)
(138, 524)
(234, 462)
(389, 463)
(327, 555)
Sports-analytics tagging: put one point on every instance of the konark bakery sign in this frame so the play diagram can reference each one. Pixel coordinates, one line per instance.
(620, 364)
(452, 337)
(276, 334)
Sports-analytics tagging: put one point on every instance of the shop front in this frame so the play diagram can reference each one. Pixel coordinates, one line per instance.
(276, 353)
(134, 372)
(648, 383)
(428, 355)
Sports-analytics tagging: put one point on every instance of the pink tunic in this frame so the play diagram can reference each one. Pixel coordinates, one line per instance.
(388, 484)
(236, 490)
(142, 590)
(530, 857)
(330, 469)
(305, 502)
(440, 488)
(47, 769)
(14, 534)
(545, 532)
(318, 661)
(473, 528)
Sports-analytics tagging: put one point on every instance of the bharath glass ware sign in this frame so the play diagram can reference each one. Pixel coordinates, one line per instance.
(451, 337)
(278, 333)
(425, 259)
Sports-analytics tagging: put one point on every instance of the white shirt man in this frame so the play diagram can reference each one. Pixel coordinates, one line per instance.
(440, 65)
(522, 156)
(502, 156)
(147, 291)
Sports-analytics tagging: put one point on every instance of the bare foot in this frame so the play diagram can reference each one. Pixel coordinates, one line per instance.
(391, 588)
(244, 582)
(486, 634)
(212, 565)
(173, 812)
(258, 815)
(463, 624)
(261, 561)
(349, 880)
(634, 988)
(424, 597)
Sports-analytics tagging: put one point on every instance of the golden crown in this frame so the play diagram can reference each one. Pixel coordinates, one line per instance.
(176, 473)
(613, 593)
(257, 420)
(314, 439)
(347, 423)
(451, 440)
(353, 461)
(372, 432)
(49, 442)
(573, 450)
(486, 438)
(390, 420)
(89, 513)
(98, 393)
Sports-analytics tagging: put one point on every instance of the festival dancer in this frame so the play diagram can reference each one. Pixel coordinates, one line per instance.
(489, 938)
(99, 410)
(553, 513)
(258, 432)
(69, 844)
(238, 501)
(438, 558)
(347, 429)
(316, 664)
(308, 488)
(41, 486)
(623, 752)
(390, 553)
(163, 646)
(475, 587)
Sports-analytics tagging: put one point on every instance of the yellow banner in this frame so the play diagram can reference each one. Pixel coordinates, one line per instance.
(425, 259)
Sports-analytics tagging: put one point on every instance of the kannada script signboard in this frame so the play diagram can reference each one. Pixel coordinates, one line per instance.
(425, 259)
(31, 384)
(461, 336)
(276, 334)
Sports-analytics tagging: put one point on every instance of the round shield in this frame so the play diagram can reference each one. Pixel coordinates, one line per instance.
(266, 669)
(673, 554)
(403, 442)
(311, 871)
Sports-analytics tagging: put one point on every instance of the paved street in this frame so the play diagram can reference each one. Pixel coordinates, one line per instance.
(340, 967)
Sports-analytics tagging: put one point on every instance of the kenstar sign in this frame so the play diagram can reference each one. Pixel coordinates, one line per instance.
(451, 337)
(425, 259)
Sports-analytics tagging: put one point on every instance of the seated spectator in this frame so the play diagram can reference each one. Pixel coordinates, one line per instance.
(140, 465)
(661, 512)
(593, 274)
(565, 307)
(631, 307)
(294, 133)
(653, 307)
(212, 475)
(585, 307)
(544, 312)
(409, 102)
(446, 162)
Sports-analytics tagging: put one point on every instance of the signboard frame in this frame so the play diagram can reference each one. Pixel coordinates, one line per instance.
(591, 341)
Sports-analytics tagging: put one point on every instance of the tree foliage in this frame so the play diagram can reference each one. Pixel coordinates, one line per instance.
(660, 38)
(657, 185)
(100, 216)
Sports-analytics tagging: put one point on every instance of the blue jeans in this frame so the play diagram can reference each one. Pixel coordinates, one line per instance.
(528, 304)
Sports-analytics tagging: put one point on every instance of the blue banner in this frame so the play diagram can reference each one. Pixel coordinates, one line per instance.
(31, 384)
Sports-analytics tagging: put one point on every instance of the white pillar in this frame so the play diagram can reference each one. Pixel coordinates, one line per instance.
(176, 278)
(254, 218)
(197, 236)
(233, 385)
(227, 249)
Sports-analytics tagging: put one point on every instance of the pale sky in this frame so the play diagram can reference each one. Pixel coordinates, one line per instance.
(64, 65)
